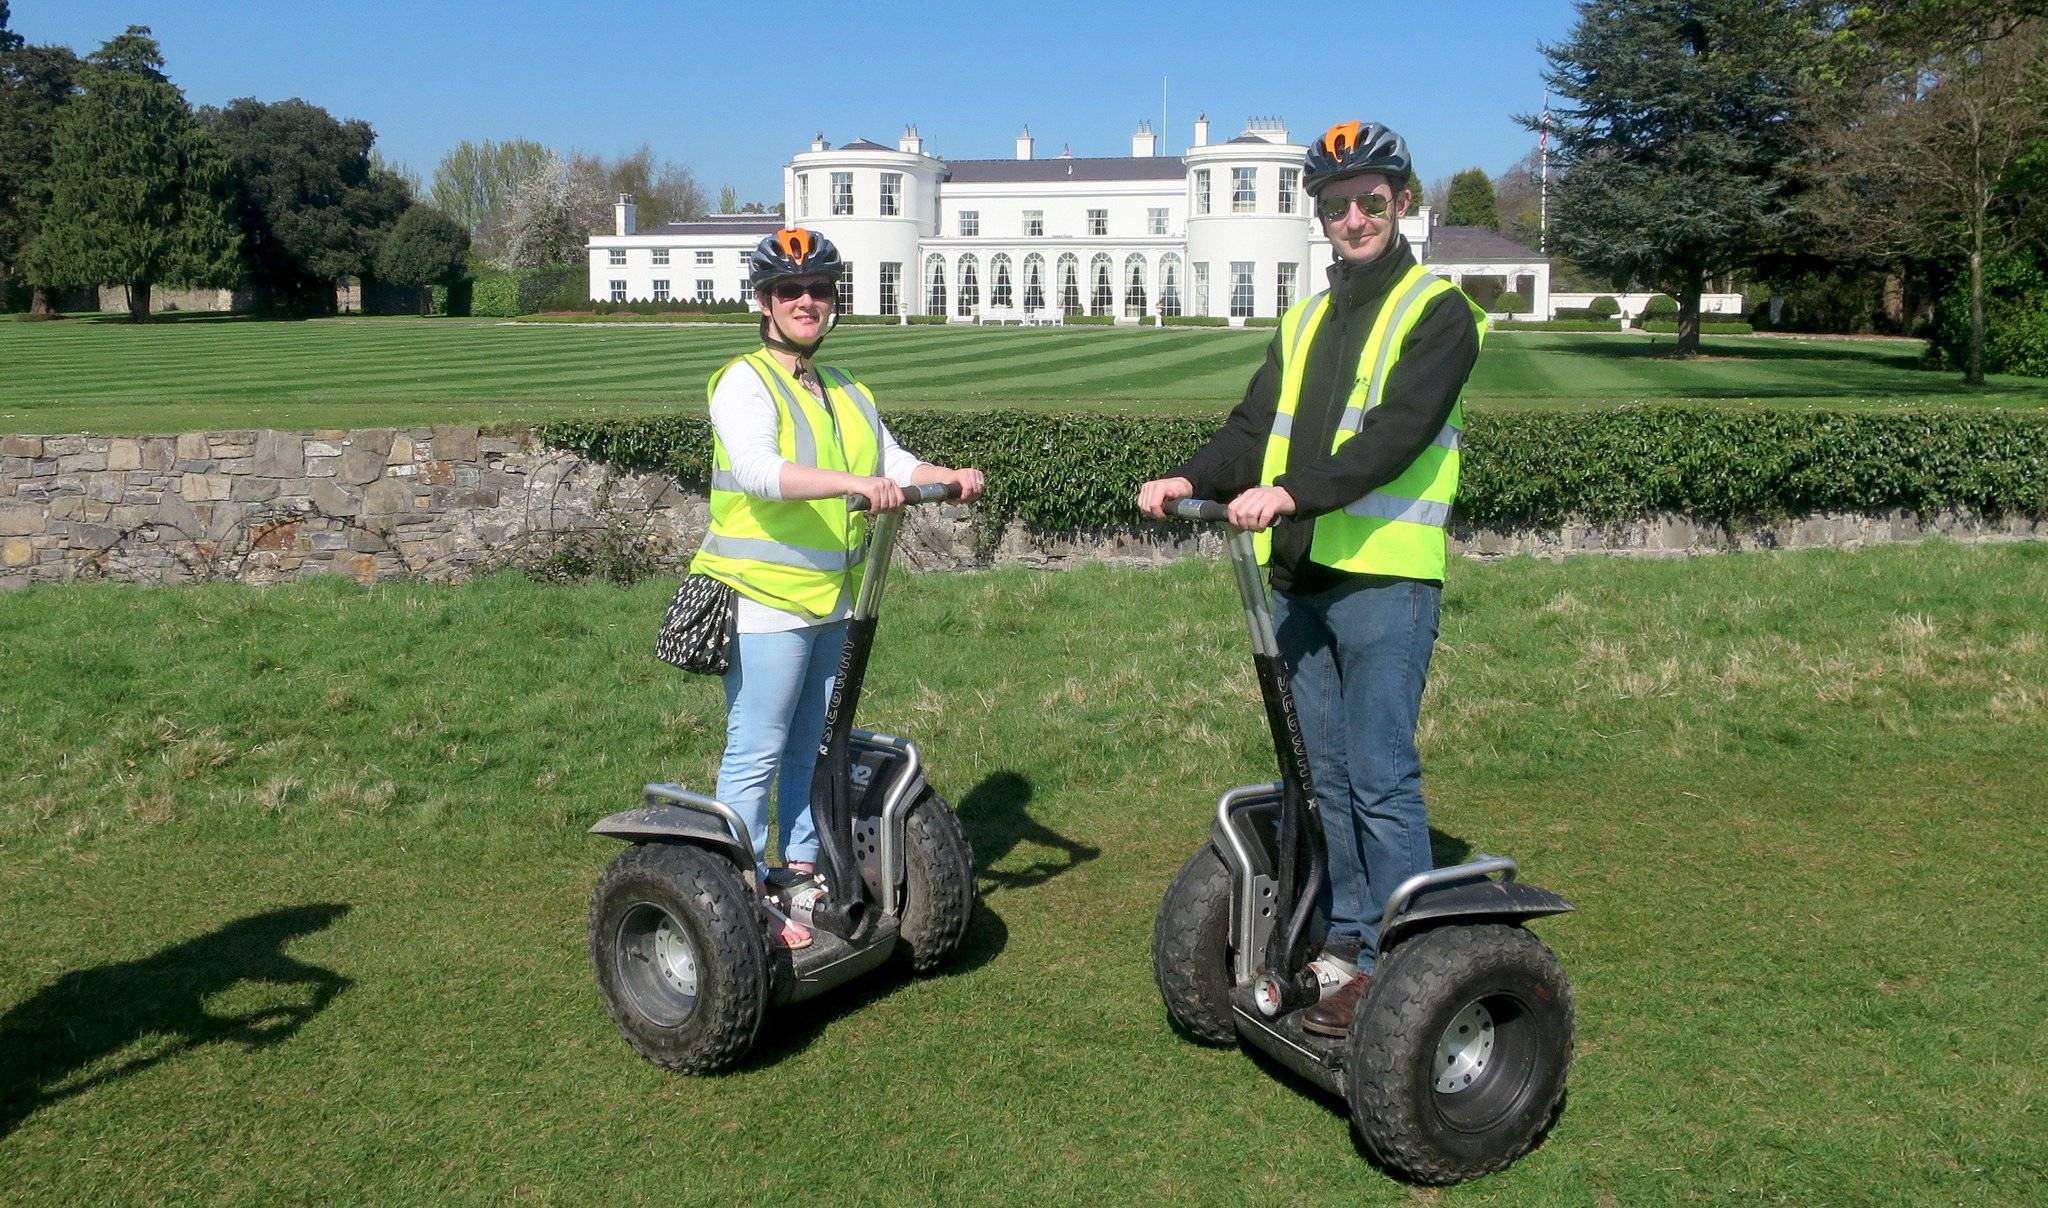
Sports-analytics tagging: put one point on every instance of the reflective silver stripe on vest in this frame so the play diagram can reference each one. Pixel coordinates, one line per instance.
(1308, 316)
(806, 442)
(1283, 426)
(758, 549)
(726, 480)
(1378, 381)
(866, 405)
(1382, 506)
(1450, 438)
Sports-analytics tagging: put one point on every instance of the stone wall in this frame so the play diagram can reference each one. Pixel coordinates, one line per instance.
(440, 503)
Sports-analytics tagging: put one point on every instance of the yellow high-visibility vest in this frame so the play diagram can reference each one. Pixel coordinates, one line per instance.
(1397, 529)
(794, 554)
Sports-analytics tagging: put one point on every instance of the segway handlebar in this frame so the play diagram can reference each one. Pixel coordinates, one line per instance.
(1197, 509)
(931, 492)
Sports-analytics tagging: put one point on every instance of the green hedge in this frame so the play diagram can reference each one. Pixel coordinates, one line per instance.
(1708, 327)
(1604, 307)
(1662, 306)
(1090, 320)
(1063, 472)
(508, 295)
(1554, 324)
(1262, 321)
(1197, 321)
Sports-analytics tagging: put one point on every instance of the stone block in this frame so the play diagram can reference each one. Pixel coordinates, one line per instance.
(408, 470)
(203, 488)
(17, 551)
(159, 453)
(224, 519)
(280, 454)
(366, 541)
(21, 446)
(454, 443)
(275, 535)
(193, 465)
(22, 520)
(92, 536)
(328, 541)
(438, 473)
(468, 476)
(177, 516)
(333, 501)
(16, 467)
(96, 510)
(235, 465)
(139, 478)
(387, 497)
(124, 454)
(401, 451)
(232, 448)
(192, 446)
(321, 467)
(131, 516)
(67, 507)
(359, 465)
(81, 463)
(63, 446)
(375, 440)
(502, 446)
(323, 448)
(252, 489)
(362, 568)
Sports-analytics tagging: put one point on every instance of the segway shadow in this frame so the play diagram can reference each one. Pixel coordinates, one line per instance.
(1455, 1062)
(678, 942)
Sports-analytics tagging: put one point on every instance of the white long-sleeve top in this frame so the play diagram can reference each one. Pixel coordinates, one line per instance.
(744, 415)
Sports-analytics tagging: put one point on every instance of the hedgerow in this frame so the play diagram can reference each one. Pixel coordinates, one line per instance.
(1708, 327)
(1060, 472)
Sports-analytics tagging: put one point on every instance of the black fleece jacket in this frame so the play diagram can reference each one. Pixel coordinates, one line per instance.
(1417, 400)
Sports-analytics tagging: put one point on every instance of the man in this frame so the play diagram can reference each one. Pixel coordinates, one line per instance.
(1346, 447)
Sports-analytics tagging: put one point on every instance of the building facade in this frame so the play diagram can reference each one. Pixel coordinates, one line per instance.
(1222, 230)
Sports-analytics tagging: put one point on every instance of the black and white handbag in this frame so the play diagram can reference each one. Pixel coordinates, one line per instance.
(696, 635)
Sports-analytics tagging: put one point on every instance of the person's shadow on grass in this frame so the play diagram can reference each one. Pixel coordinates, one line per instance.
(67, 1038)
(996, 821)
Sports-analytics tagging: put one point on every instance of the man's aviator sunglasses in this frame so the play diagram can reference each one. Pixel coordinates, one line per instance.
(1372, 205)
(823, 291)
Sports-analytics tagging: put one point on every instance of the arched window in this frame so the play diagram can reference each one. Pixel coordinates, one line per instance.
(999, 281)
(969, 277)
(1034, 282)
(1134, 286)
(1102, 274)
(1169, 284)
(1069, 270)
(935, 284)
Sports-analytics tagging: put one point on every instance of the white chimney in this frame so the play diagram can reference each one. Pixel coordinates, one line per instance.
(818, 142)
(1024, 144)
(623, 220)
(1144, 144)
(910, 143)
(1201, 130)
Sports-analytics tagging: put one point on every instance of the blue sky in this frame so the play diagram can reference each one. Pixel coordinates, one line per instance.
(732, 89)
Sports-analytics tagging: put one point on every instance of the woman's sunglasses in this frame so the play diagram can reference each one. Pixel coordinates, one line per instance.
(823, 291)
(1372, 205)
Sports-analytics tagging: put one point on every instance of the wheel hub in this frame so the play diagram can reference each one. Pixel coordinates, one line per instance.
(674, 960)
(1464, 1049)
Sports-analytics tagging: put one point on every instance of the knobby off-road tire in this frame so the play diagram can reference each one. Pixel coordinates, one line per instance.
(1191, 949)
(938, 884)
(667, 915)
(1507, 1058)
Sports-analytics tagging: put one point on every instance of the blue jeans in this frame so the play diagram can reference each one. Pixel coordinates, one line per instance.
(775, 697)
(1357, 657)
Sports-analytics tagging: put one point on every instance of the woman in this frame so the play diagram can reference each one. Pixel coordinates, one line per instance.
(791, 440)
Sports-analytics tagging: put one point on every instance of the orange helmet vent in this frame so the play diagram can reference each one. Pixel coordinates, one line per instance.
(1339, 139)
(797, 243)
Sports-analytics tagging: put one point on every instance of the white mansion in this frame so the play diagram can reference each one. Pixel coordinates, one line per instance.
(1223, 229)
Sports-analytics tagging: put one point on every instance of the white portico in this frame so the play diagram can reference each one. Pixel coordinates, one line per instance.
(1222, 230)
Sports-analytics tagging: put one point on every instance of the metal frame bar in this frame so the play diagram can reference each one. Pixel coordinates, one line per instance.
(1484, 866)
(676, 794)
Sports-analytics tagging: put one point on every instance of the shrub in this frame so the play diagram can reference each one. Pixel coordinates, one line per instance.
(1663, 306)
(1510, 303)
(1080, 471)
(2015, 318)
(1090, 320)
(1197, 321)
(1603, 307)
(927, 320)
(871, 320)
(1556, 324)
(503, 294)
(1708, 327)
(1263, 321)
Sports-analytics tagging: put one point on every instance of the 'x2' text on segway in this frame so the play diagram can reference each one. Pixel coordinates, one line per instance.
(1455, 1062)
(677, 941)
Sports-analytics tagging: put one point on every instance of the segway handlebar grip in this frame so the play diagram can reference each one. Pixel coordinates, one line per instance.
(1197, 509)
(931, 492)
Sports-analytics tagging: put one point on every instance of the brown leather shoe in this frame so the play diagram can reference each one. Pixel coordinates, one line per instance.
(1332, 1016)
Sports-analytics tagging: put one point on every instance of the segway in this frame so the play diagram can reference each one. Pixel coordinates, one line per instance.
(1455, 1062)
(678, 941)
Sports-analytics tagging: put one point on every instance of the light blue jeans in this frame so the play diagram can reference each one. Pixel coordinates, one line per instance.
(775, 697)
(1357, 657)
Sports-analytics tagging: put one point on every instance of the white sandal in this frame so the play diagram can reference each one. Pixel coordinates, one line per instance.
(787, 932)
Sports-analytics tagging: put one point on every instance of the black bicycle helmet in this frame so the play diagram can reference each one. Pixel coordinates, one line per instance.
(793, 252)
(1351, 149)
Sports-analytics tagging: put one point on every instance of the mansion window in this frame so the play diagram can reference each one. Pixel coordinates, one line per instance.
(661, 290)
(935, 284)
(742, 255)
(970, 222)
(1243, 190)
(661, 257)
(1034, 283)
(618, 290)
(1201, 287)
(1155, 221)
(1134, 286)
(845, 289)
(618, 257)
(1169, 285)
(1069, 269)
(970, 286)
(1240, 288)
(1034, 223)
(1284, 287)
(999, 282)
(892, 192)
(703, 258)
(1098, 222)
(892, 282)
(1102, 298)
(842, 193)
(1290, 188)
(803, 195)
(1201, 190)
(706, 293)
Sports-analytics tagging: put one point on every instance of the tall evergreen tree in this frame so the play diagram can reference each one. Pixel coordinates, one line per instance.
(138, 194)
(1675, 138)
(34, 82)
(1471, 201)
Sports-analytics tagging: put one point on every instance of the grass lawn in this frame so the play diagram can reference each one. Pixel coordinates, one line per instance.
(203, 372)
(292, 885)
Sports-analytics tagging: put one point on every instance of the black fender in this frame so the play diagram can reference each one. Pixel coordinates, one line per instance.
(1475, 901)
(663, 823)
